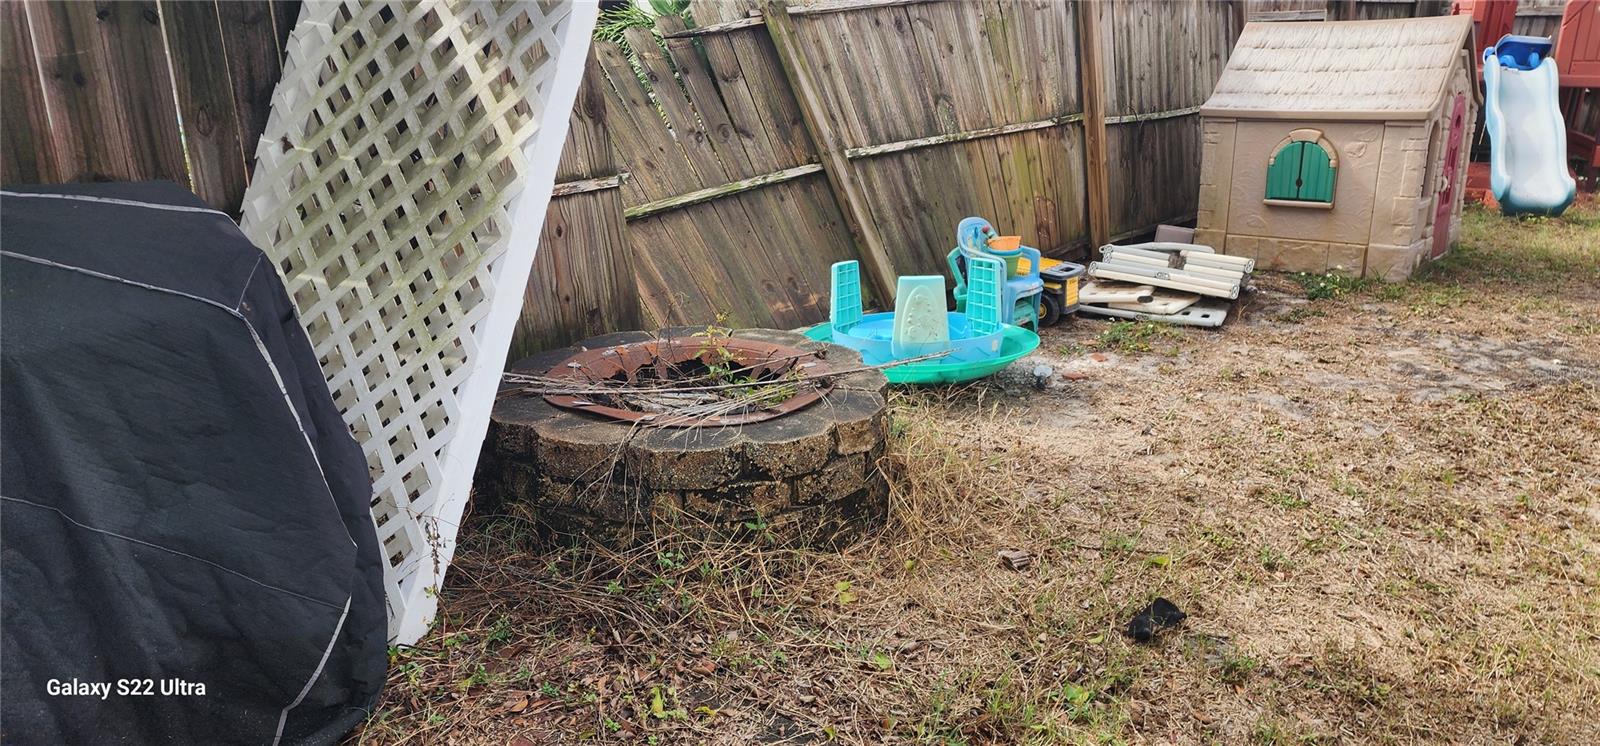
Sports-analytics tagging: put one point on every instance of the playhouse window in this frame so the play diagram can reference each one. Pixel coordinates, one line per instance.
(1301, 171)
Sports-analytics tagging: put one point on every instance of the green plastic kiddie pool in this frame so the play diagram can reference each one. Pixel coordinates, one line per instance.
(1016, 343)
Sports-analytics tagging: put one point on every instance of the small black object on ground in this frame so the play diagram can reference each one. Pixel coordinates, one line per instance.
(1159, 615)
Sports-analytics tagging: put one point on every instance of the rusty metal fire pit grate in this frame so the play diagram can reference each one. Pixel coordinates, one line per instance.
(695, 382)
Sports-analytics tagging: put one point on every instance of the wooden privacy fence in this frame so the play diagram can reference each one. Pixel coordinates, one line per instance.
(719, 171)
(768, 142)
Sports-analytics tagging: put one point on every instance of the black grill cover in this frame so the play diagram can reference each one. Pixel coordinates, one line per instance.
(179, 499)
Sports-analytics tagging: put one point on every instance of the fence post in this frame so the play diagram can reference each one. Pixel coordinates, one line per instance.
(831, 150)
(1097, 180)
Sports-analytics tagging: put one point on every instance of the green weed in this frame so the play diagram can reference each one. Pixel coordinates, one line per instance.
(1137, 336)
(1283, 499)
(1272, 560)
(1330, 284)
(1235, 668)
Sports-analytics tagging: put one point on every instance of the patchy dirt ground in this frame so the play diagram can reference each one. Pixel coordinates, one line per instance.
(1380, 509)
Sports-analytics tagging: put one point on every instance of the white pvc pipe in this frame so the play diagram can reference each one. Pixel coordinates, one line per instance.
(1168, 273)
(1239, 261)
(1122, 256)
(1162, 246)
(1221, 261)
(1159, 256)
(1241, 269)
(1226, 275)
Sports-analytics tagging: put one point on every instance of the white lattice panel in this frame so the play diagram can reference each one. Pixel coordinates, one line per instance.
(400, 186)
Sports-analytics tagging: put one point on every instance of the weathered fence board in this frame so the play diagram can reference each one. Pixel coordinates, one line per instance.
(253, 37)
(699, 244)
(976, 101)
(1286, 10)
(30, 146)
(729, 215)
(177, 89)
(1538, 18)
(730, 12)
(583, 276)
(108, 90)
(210, 118)
(1343, 10)
(1097, 177)
(830, 144)
(1534, 17)
(1154, 160)
(742, 235)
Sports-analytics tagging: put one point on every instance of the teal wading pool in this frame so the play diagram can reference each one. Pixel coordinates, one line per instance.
(1014, 343)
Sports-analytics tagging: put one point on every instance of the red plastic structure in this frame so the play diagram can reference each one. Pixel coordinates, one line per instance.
(1578, 64)
(1578, 45)
(1491, 19)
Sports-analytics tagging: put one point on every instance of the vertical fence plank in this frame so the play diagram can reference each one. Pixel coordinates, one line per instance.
(926, 187)
(685, 126)
(791, 244)
(285, 13)
(802, 219)
(29, 154)
(781, 112)
(743, 113)
(1094, 127)
(105, 107)
(109, 90)
(206, 102)
(253, 43)
(583, 278)
(699, 86)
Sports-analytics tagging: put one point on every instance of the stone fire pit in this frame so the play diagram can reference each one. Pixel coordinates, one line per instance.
(795, 472)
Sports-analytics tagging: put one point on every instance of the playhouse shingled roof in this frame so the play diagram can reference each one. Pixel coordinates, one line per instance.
(1363, 70)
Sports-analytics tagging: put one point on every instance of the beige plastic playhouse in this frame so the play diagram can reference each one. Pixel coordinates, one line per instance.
(1339, 146)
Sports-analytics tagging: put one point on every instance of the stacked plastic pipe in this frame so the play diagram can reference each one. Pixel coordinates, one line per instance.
(1173, 283)
(1184, 267)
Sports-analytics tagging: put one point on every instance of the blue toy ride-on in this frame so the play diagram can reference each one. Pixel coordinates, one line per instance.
(1023, 289)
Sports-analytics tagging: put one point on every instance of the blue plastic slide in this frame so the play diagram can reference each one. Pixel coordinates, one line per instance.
(1527, 138)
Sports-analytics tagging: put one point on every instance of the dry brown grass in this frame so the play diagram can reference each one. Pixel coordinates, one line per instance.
(1379, 510)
